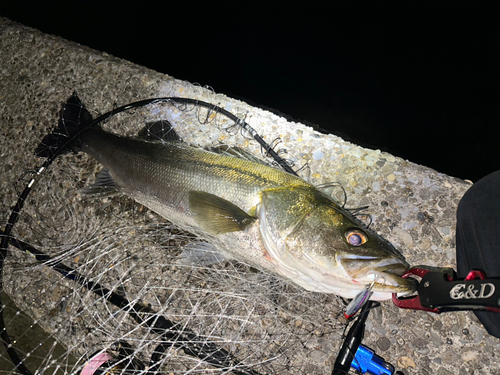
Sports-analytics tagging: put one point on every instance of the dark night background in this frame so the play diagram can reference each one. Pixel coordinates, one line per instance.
(418, 79)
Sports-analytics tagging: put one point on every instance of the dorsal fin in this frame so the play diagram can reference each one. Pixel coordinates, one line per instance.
(236, 152)
(160, 130)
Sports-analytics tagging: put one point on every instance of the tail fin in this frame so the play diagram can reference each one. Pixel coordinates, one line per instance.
(74, 116)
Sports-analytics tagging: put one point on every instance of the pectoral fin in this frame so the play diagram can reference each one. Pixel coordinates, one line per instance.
(217, 215)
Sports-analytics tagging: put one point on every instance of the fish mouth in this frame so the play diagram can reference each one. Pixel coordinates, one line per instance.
(384, 273)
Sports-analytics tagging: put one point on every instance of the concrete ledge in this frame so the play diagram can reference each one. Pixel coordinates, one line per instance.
(412, 206)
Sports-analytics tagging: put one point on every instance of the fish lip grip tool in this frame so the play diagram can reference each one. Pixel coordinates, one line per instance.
(440, 291)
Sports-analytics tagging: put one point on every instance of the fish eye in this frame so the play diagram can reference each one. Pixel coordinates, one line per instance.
(356, 237)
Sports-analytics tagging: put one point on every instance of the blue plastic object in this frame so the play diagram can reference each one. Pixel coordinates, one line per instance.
(367, 362)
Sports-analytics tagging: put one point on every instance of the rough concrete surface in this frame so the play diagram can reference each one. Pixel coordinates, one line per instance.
(412, 206)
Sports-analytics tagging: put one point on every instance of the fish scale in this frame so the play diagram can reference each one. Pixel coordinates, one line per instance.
(246, 209)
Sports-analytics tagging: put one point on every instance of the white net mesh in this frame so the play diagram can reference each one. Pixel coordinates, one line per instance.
(147, 310)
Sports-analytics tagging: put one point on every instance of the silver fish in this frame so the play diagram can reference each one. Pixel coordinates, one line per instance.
(246, 209)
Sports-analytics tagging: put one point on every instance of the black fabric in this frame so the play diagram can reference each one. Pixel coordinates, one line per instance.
(478, 237)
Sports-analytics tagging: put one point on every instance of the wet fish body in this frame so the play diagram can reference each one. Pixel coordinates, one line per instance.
(248, 210)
